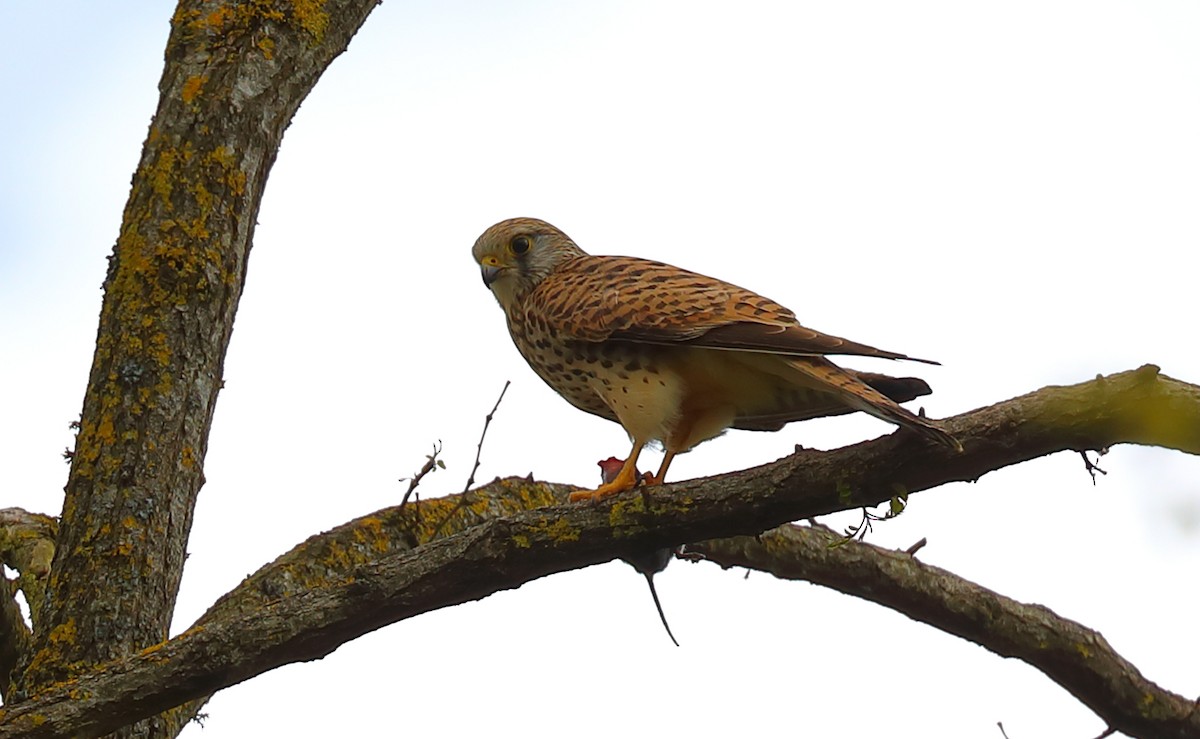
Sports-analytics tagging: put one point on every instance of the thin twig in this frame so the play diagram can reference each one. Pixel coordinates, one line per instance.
(464, 499)
(917, 546)
(486, 422)
(431, 461)
(1093, 467)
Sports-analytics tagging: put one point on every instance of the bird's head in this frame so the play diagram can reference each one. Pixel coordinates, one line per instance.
(515, 255)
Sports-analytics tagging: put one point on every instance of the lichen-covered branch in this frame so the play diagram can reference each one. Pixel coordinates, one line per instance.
(394, 564)
(15, 636)
(1074, 656)
(27, 547)
(235, 73)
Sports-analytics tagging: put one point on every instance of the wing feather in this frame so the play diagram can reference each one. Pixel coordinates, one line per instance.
(595, 299)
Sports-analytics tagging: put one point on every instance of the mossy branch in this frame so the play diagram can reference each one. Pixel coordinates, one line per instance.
(395, 564)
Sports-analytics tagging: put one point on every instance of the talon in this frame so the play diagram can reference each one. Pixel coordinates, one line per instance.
(619, 485)
(626, 479)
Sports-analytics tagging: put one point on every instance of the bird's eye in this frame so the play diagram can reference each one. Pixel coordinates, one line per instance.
(520, 245)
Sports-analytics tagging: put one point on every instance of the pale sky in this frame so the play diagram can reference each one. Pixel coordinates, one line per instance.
(1011, 189)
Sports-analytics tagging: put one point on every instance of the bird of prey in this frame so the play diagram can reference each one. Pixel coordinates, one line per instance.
(671, 355)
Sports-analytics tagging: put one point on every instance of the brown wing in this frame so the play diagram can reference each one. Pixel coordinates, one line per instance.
(594, 298)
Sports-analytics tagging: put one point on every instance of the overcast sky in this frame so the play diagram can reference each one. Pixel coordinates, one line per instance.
(1009, 188)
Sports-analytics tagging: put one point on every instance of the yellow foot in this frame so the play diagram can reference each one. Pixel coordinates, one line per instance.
(626, 478)
(618, 485)
(605, 490)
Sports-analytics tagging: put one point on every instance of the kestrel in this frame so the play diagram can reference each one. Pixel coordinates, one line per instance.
(671, 355)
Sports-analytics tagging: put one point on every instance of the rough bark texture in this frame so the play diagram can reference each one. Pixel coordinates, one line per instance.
(1074, 656)
(235, 74)
(26, 546)
(399, 562)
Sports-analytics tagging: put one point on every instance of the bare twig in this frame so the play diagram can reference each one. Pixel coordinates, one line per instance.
(431, 462)
(917, 546)
(463, 499)
(1093, 467)
(1003, 733)
(486, 422)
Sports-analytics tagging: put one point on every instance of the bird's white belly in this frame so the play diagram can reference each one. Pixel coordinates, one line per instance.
(647, 402)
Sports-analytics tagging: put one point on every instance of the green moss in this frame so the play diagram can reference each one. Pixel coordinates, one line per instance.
(844, 493)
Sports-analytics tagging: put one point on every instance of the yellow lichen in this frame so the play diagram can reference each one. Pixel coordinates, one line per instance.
(161, 175)
(214, 21)
(560, 530)
(64, 633)
(105, 431)
(624, 511)
(191, 88)
(369, 531)
(311, 16)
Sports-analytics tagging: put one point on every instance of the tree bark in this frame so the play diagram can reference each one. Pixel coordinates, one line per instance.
(235, 74)
(406, 560)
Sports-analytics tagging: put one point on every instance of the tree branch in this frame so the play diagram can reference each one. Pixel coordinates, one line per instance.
(235, 74)
(384, 567)
(26, 546)
(15, 636)
(1074, 656)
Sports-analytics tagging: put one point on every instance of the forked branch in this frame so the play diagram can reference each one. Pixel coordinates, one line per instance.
(391, 565)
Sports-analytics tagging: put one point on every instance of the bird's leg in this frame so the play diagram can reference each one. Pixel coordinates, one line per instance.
(626, 479)
(662, 469)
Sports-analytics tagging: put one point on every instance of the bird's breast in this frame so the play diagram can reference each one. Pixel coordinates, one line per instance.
(615, 380)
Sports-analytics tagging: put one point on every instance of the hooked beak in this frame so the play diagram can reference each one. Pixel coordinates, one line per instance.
(490, 273)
